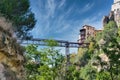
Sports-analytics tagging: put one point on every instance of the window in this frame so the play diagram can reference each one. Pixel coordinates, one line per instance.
(82, 32)
(117, 9)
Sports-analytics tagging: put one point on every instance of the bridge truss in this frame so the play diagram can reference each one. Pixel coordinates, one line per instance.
(61, 43)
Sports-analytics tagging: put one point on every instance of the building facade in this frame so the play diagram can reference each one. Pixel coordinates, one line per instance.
(86, 32)
(116, 9)
(82, 35)
(89, 31)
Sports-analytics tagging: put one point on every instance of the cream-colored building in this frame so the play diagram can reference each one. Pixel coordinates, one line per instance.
(116, 9)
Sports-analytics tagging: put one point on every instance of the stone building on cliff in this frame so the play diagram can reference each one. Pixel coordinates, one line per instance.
(114, 15)
(86, 32)
(116, 9)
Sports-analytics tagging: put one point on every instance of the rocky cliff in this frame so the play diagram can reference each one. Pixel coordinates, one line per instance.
(11, 53)
(107, 19)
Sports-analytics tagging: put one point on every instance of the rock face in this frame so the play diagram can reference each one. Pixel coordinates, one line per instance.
(6, 73)
(107, 19)
(11, 53)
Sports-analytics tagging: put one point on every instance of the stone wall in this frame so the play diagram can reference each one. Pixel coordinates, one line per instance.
(11, 53)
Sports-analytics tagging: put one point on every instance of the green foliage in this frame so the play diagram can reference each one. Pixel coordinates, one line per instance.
(88, 72)
(91, 47)
(103, 75)
(72, 73)
(51, 43)
(49, 64)
(44, 64)
(19, 13)
(109, 29)
(111, 48)
(99, 36)
(118, 38)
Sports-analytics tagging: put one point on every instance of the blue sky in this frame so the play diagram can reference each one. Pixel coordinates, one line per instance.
(62, 19)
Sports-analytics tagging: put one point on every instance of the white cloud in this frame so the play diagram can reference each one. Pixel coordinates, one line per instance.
(44, 13)
(73, 33)
(62, 3)
(87, 7)
(47, 27)
(63, 28)
(51, 6)
(61, 25)
(96, 24)
(93, 21)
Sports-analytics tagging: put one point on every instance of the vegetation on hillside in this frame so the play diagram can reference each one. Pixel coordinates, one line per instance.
(100, 61)
(44, 64)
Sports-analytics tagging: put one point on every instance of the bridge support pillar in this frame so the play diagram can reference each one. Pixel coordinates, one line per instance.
(67, 56)
(67, 59)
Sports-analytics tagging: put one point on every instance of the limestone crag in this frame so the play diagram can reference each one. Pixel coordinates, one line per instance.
(107, 19)
(11, 53)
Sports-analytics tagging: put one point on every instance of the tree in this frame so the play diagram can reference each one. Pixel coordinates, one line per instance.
(118, 37)
(19, 13)
(112, 49)
(88, 72)
(73, 73)
(103, 75)
(106, 43)
(43, 64)
(109, 31)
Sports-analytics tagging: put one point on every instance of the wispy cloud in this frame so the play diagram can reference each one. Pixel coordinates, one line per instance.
(62, 28)
(49, 21)
(87, 7)
(94, 21)
(50, 8)
(44, 12)
(61, 3)
(62, 19)
(59, 21)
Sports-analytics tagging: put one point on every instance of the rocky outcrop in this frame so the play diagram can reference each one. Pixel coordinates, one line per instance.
(6, 73)
(107, 19)
(11, 53)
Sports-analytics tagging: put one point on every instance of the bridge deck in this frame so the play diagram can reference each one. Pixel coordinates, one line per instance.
(61, 43)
